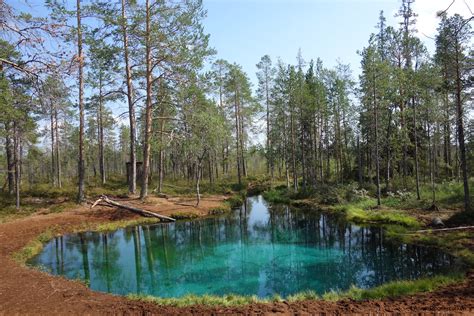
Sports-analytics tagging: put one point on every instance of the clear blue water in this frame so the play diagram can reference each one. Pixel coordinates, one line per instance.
(257, 249)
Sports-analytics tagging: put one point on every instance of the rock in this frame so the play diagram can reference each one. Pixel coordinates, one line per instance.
(437, 222)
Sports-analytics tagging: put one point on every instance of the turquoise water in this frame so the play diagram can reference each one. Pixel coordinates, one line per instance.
(257, 249)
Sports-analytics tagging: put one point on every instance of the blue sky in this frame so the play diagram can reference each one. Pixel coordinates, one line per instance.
(243, 31)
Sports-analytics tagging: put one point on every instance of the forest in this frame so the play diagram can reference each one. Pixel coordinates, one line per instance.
(127, 99)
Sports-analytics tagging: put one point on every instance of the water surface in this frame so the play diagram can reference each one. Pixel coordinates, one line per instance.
(257, 249)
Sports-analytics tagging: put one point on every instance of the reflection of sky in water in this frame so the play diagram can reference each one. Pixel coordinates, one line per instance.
(254, 250)
(259, 214)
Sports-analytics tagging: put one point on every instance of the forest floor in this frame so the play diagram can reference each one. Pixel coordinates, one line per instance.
(29, 291)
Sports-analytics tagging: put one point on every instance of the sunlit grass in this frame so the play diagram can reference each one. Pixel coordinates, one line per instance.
(392, 289)
(184, 215)
(34, 247)
(111, 226)
(206, 300)
(364, 211)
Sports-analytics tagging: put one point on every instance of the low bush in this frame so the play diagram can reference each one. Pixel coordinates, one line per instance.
(277, 196)
(184, 215)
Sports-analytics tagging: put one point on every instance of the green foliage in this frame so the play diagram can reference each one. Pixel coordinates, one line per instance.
(34, 247)
(358, 213)
(277, 196)
(112, 226)
(222, 209)
(235, 200)
(206, 300)
(258, 185)
(394, 289)
(303, 296)
(184, 215)
(389, 290)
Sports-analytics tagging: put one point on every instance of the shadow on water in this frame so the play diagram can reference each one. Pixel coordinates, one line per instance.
(257, 249)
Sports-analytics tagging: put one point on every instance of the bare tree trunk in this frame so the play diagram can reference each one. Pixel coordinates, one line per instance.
(269, 151)
(148, 105)
(9, 148)
(53, 163)
(460, 125)
(16, 157)
(81, 166)
(376, 141)
(242, 147)
(198, 180)
(431, 162)
(132, 186)
(161, 153)
(101, 134)
(58, 161)
(293, 152)
(359, 162)
(320, 149)
(237, 133)
(404, 145)
(388, 150)
(417, 178)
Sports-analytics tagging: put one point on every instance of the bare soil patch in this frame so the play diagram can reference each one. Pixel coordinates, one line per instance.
(29, 291)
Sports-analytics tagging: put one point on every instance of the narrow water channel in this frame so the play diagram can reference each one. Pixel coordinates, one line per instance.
(256, 250)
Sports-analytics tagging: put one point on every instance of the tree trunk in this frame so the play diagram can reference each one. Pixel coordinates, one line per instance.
(388, 150)
(101, 134)
(161, 152)
(242, 147)
(16, 156)
(293, 152)
(460, 125)
(58, 161)
(9, 148)
(376, 141)
(148, 105)
(81, 166)
(417, 177)
(431, 162)
(198, 181)
(237, 133)
(269, 150)
(132, 186)
(359, 163)
(53, 163)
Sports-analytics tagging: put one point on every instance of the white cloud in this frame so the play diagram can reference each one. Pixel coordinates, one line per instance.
(427, 20)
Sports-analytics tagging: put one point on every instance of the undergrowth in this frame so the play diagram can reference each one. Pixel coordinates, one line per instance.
(361, 212)
(388, 290)
(395, 288)
(277, 195)
(184, 215)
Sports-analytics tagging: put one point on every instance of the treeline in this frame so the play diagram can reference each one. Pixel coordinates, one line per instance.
(132, 88)
(403, 125)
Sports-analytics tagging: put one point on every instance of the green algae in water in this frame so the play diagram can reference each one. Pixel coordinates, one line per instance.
(256, 250)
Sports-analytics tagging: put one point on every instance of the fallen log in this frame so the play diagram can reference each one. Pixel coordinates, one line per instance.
(443, 229)
(105, 199)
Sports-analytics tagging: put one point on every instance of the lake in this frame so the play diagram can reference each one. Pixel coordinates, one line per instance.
(259, 249)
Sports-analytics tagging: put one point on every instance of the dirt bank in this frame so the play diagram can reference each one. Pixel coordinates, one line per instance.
(28, 291)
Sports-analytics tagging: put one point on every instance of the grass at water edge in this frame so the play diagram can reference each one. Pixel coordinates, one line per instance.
(388, 290)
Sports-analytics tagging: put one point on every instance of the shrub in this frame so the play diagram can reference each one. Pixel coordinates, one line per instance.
(276, 196)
